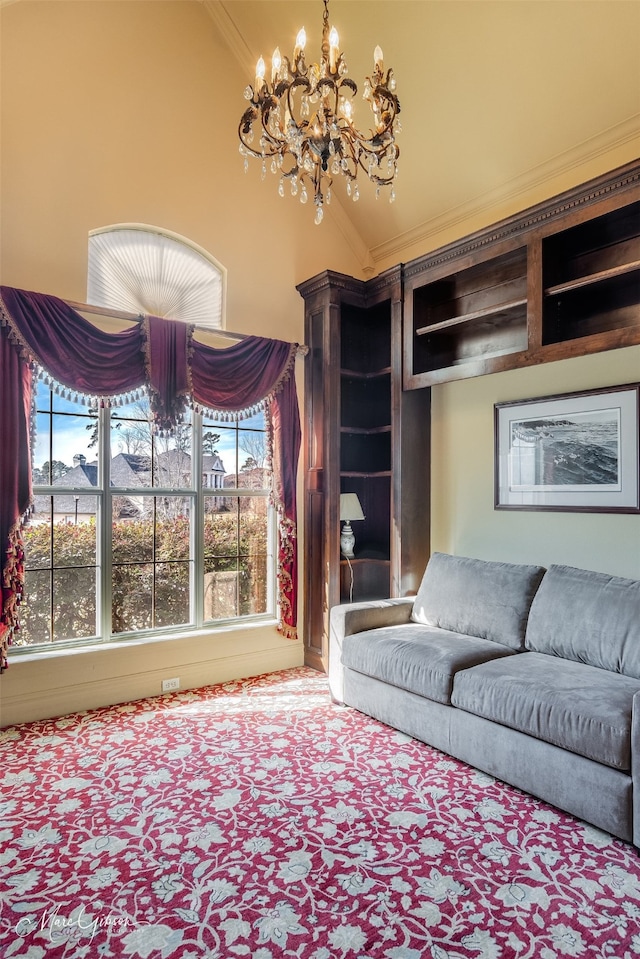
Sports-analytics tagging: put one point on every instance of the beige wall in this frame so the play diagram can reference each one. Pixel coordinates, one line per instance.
(464, 520)
(127, 112)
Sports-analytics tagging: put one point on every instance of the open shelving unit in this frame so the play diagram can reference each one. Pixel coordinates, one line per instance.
(365, 446)
(364, 436)
(560, 279)
(477, 312)
(591, 276)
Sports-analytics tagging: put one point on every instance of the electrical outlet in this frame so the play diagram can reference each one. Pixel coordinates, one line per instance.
(170, 685)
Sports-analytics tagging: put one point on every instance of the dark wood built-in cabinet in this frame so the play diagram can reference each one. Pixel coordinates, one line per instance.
(365, 436)
(560, 280)
(557, 281)
(591, 277)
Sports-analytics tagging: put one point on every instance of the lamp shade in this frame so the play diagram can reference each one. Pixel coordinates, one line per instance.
(350, 507)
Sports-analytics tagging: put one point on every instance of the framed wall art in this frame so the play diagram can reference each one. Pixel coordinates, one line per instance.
(574, 452)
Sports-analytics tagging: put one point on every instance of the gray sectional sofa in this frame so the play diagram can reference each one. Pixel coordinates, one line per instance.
(531, 675)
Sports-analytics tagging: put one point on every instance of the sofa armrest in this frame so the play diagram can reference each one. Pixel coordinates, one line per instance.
(635, 767)
(357, 618)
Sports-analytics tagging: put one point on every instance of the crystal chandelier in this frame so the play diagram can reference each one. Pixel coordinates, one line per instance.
(300, 123)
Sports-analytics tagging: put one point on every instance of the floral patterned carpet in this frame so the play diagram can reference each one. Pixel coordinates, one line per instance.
(256, 819)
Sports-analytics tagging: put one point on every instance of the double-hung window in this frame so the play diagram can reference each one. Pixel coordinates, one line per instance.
(135, 533)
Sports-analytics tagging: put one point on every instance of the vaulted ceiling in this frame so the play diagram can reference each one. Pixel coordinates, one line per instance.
(498, 98)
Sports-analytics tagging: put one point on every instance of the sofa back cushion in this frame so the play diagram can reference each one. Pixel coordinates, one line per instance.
(477, 597)
(588, 617)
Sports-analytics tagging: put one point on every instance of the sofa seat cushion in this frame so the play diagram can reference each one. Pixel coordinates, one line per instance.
(477, 597)
(421, 659)
(578, 707)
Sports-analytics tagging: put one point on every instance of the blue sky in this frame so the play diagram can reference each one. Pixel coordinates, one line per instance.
(71, 435)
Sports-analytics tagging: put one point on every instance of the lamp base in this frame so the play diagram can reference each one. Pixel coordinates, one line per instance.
(347, 540)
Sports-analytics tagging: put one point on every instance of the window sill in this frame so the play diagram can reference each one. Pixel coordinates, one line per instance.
(16, 654)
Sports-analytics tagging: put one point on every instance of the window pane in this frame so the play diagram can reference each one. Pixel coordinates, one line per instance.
(253, 554)
(74, 603)
(221, 578)
(74, 530)
(35, 609)
(252, 517)
(73, 459)
(151, 569)
(36, 537)
(219, 441)
(66, 444)
(41, 459)
(61, 573)
(236, 557)
(253, 585)
(172, 528)
(220, 527)
(141, 458)
(172, 458)
(252, 455)
(132, 531)
(172, 594)
(132, 598)
(131, 445)
(241, 448)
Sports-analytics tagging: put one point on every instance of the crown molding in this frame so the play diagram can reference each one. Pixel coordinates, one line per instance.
(586, 152)
(229, 32)
(623, 178)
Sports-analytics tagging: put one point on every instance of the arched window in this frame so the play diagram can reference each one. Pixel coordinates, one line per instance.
(144, 269)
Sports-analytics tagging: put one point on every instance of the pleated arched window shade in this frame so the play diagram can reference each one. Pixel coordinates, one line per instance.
(147, 270)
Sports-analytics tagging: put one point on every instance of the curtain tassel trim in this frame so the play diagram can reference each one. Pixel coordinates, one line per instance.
(12, 589)
(89, 400)
(286, 579)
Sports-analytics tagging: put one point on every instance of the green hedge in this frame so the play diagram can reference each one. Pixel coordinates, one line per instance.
(144, 593)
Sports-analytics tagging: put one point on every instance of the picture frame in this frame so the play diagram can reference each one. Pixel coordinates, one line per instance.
(575, 452)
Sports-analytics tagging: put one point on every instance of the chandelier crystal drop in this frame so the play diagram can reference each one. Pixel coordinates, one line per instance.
(301, 120)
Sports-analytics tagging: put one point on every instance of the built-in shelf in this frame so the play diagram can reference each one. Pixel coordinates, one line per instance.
(486, 313)
(372, 375)
(368, 475)
(584, 281)
(560, 279)
(365, 431)
(365, 436)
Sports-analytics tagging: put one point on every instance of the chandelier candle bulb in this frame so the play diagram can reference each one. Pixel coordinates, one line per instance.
(276, 63)
(301, 42)
(260, 71)
(303, 118)
(334, 41)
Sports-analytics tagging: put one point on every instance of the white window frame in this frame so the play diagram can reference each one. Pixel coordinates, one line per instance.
(104, 495)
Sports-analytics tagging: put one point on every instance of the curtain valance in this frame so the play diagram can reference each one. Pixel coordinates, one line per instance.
(42, 335)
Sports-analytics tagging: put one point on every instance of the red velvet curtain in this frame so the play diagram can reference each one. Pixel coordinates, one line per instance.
(15, 483)
(43, 331)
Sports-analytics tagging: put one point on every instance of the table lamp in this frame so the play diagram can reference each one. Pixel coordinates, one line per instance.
(350, 509)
